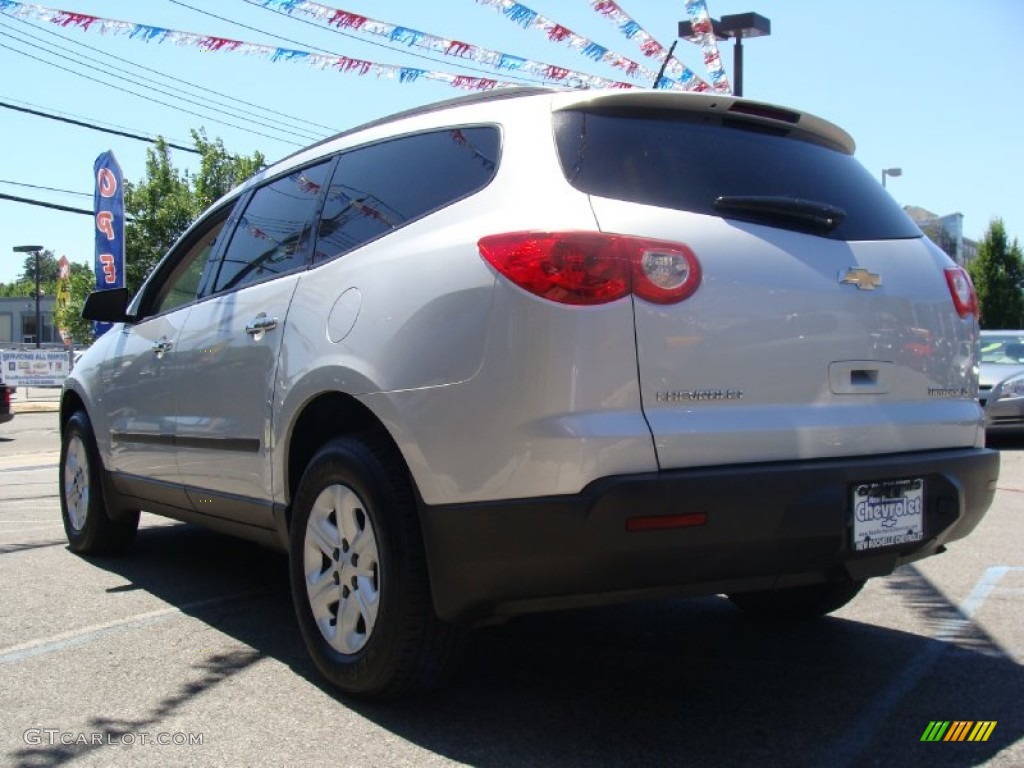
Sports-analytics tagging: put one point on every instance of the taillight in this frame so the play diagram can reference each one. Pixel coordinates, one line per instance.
(962, 290)
(585, 268)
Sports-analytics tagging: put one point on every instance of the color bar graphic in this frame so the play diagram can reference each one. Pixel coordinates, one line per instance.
(959, 730)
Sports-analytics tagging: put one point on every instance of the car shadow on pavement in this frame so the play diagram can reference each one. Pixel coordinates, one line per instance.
(669, 682)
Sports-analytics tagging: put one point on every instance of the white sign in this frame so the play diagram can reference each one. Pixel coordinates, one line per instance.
(888, 514)
(33, 367)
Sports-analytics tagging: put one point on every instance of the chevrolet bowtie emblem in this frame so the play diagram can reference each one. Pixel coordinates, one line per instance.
(864, 280)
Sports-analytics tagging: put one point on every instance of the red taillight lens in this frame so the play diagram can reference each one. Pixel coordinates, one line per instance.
(962, 290)
(585, 268)
(570, 268)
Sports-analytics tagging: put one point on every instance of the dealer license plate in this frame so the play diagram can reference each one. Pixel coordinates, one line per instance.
(888, 514)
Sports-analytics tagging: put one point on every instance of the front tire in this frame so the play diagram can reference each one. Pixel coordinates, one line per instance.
(358, 574)
(89, 527)
(797, 603)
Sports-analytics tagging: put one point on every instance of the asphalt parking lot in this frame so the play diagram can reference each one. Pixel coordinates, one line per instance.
(186, 653)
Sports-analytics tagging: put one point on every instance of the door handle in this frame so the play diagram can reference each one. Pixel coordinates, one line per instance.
(260, 324)
(162, 346)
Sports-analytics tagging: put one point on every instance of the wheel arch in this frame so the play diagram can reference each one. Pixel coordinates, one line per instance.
(70, 402)
(322, 418)
(111, 524)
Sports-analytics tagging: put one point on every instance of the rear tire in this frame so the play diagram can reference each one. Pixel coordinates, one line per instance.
(797, 603)
(358, 574)
(89, 527)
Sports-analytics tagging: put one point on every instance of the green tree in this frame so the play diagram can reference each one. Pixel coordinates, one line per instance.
(49, 269)
(998, 275)
(17, 288)
(219, 171)
(25, 283)
(160, 207)
(69, 317)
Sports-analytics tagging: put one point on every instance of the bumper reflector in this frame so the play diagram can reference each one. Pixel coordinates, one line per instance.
(663, 522)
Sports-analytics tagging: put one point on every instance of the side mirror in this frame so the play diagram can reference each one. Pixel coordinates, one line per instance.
(109, 306)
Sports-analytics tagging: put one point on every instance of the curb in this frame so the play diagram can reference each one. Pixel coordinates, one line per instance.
(46, 407)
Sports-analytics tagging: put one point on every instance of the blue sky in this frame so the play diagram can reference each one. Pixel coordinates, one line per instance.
(930, 87)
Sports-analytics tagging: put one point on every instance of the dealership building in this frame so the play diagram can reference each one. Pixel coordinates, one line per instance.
(18, 321)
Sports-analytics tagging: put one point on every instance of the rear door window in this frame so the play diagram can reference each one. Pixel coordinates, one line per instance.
(686, 160)
(272, 236)
(381, 187)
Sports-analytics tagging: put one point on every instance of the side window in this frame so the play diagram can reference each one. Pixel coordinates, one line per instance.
(381, 187)
(181, 285)
(272, 235)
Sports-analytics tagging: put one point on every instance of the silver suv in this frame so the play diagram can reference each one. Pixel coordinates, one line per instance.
(537, 349)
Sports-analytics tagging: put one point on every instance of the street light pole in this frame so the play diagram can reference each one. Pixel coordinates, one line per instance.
(894, 172)
(736, 26)
(737, 66)
(36, 249)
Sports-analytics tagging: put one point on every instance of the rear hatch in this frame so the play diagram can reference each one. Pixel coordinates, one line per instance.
(825, 323)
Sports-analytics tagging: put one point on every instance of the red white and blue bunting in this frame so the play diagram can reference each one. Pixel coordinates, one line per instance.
(414, 38)
(700, 20)
(210, 43)
(676, 76)
(675, 70)
(681, 77)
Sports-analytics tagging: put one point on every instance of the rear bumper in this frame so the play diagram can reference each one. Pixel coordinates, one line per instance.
(767, 526)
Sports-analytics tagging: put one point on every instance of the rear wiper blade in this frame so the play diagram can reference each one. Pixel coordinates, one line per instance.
(817, 216)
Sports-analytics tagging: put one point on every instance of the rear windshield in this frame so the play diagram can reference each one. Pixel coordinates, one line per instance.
(686, 160)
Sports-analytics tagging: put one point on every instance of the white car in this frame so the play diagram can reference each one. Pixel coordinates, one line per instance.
(534, 349)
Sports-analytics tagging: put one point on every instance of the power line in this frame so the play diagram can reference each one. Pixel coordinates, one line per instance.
(164, 75)
(41, 204)
(39, 43)
(70, 57)
(48, 189)
(90, 122)
(150, 98)
(137, 137)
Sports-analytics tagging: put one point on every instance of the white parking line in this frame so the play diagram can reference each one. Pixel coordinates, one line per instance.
(30, 526)
(848, 748)
(22, 651)
(42, 459)
(984, 588)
